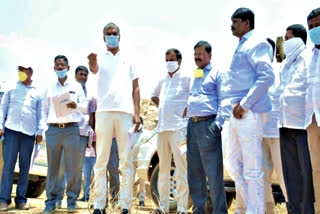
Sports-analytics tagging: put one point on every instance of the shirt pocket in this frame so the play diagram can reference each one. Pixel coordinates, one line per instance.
(207, 86)
(238, 60)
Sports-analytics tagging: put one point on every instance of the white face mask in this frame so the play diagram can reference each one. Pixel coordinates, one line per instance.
(172, 66)
(291, 45)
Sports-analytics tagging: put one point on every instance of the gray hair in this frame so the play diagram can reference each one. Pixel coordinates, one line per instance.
(111, 24)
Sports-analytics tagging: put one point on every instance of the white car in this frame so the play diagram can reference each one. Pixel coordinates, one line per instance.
(148, 169)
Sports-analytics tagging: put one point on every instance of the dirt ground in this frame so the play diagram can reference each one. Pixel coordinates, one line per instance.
(37, 206)
(149, 113)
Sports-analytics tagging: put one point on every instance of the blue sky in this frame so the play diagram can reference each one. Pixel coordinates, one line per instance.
(33, 32)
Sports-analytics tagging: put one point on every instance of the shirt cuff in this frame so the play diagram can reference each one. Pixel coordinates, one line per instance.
(244, 104)
(218, 125)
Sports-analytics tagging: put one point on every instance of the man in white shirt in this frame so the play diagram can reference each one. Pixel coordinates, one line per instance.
(118, 99)
(313, 103)
(62, 118)
(171, 96)
(20, 114)
(296, 165)
(271, 142)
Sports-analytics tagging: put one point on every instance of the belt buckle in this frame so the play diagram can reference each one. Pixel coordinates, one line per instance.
(62, 125)
(194, 119)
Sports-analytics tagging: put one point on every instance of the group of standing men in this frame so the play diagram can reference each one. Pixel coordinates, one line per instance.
(240, 95)
(272, 113)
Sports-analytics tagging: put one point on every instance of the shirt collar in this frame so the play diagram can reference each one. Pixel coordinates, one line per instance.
(247, 35)
(109, 53)
(176, 74)
(67, 82)
(315, 49)
(208, 67)
(28, 86)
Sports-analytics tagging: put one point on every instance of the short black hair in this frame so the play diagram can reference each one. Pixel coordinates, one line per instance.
(299, 31)
(176, 51)
(111, 24)
(61, 57)
(244, 14)
(273, 44)
(314, 13)
(206, 45)
(81, 68)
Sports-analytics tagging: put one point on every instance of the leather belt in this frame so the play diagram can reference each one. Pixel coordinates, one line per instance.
(62, 125)
(196, 119)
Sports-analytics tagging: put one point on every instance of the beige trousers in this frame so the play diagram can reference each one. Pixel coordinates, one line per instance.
(108, 124)
(314, 148)
(168, 142)
(272, 160)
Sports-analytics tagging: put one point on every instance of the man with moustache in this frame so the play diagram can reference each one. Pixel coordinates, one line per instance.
(312, 122)
(248, 79)
(204, 148)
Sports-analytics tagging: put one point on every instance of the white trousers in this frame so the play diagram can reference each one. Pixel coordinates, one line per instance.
(272, 160)
(108, 124)
(244, 160)
(168, 142)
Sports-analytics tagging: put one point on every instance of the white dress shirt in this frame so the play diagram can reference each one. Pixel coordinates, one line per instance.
(293, 86)
(313, 91)
(270, 128)
(56, 89)
(20, 110)
(173, 93)
(114, 84)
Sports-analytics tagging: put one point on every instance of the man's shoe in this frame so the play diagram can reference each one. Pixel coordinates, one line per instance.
(22, 206)
(49, 210)
(4, 206)
(141, 203)
(157, 211)
(83, 199)
(181, 212)
(124, 211)
(72, 208)
(99, 211)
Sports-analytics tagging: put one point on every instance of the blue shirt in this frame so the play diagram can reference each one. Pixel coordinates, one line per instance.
(20, 110)
(250, 75)
(204, 97)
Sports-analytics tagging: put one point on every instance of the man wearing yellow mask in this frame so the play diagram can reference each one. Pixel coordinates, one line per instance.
(20, 113)
(204, 147)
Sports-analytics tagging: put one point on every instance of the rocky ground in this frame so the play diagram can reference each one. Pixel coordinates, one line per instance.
(149, 114)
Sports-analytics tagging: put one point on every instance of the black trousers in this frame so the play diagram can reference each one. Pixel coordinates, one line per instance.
(297, 170)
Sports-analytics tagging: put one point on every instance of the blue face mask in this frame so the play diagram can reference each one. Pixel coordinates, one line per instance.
(112, 41)
(62, 74)
(315, 35)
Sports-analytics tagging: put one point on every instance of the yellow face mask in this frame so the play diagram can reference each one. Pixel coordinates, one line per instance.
(198, 73)
(22, 76)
